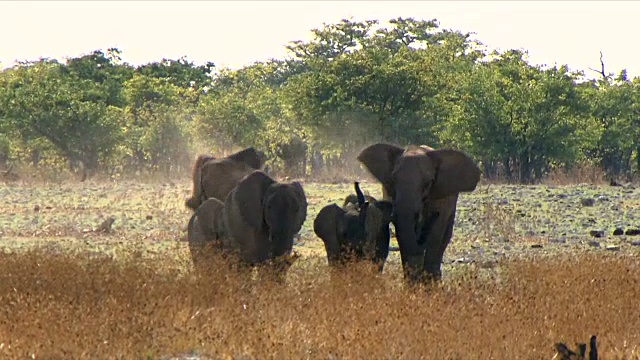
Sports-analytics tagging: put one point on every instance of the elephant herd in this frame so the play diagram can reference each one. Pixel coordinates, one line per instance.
(240, 211)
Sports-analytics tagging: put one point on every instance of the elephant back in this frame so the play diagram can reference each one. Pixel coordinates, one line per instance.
(219, 177)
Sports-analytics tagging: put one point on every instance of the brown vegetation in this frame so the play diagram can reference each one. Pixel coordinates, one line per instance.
(334, 174)
(70, 306)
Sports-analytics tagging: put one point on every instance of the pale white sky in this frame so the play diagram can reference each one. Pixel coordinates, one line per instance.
(237, 33)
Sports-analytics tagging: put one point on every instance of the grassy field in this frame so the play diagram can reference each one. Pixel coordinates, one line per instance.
(522, 273)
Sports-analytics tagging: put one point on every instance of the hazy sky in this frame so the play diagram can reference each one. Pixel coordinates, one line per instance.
(240, 32)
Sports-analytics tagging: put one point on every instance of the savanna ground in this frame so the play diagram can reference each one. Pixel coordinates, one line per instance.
(522, 273)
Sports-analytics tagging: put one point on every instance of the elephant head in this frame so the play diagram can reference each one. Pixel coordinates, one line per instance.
(358, 230)
(263, 216)
(423, 185)
(205, 231)
(216, 177)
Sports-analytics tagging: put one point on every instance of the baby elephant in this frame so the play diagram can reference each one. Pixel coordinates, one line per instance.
(205, 232)
(262, 217)
(359, 230)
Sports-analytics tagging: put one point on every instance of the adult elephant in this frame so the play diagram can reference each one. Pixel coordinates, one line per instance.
(215, 177)
(261, 217)
(423, 185)
(358, 230)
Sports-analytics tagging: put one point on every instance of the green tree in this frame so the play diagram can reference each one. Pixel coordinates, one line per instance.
(615, 106)
(41, 100)
(524, 117)
(156, 129)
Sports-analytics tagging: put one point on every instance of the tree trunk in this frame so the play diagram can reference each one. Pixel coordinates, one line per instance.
(35, 157)
(525, 167)
(506, 163)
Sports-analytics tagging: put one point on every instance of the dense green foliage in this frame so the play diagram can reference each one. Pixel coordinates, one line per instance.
(353, 84)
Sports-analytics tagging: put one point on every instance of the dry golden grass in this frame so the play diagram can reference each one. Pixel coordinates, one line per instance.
(582, 173)
(72, 307)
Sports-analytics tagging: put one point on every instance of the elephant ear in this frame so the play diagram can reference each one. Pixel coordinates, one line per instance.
(380, 160)
(326, 226)
(455, 172)
(301, 198)
(249, 197)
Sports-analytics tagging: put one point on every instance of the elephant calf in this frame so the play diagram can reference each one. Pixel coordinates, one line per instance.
(205, 231)
(359, 230)
(262, 216)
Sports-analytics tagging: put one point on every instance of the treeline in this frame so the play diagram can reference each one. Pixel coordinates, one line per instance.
(354, 84)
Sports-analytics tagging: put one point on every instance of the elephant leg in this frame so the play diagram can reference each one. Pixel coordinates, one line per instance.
(411, 253)
(435, 251)
(413, 267)
(197, 243)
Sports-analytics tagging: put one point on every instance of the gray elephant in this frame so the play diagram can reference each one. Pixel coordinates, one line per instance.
(261, 217)
(205, 232)
(359, 230)
(215, 178)
(423, 185)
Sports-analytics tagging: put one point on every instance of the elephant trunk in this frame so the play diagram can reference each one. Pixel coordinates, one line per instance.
(281, 241)
(406, 222)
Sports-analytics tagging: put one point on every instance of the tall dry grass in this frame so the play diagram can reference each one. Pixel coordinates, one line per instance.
(581, 173)
(73, 307)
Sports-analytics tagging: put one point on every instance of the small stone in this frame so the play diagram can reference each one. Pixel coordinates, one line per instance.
(561, 240)
(536, 246)
(36, 208)
(463, 260)
(503, 202)
(594, 243)
(613, 247)
(587, 201)
(488, 264)
(618, 231)
(149, 217)
(562, 196)
(632, 232)
(603, 198)
(597, 233)
(635, 243)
